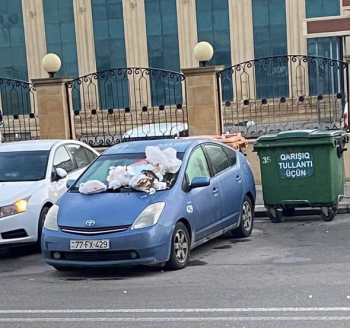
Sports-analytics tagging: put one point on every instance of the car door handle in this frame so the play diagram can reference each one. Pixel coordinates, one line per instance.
(215, 191)
(238, 178)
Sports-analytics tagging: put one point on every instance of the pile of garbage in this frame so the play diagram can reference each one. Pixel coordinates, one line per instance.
(144, 175)
(234, 140)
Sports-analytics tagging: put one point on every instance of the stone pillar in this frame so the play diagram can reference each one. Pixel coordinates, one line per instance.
(84, 37)
(204, 116)
(53, 112)
(187, 31)
(136, 51)
(242, 46)
(35, 39)
(297, 45)
(241, 30)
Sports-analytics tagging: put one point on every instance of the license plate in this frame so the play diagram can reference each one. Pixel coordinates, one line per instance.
(89, 244)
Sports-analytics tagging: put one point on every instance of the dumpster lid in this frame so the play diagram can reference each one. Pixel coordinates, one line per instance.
(305, 134)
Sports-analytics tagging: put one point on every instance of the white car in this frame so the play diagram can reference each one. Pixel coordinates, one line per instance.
(156, 131)
(33, 176)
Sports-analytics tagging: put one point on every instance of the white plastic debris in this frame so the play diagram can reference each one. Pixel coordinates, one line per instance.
(166, 159)
(140, 182)
(157, 185)
(118, 175)
(92, 187)
(136, 169)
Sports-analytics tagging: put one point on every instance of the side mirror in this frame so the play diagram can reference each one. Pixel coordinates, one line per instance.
(61, 173)
(70, 183)
(58, 174)
(199, 182)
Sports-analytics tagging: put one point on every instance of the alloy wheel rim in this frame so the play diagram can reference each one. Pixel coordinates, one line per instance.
(247, 216)
(181, 246)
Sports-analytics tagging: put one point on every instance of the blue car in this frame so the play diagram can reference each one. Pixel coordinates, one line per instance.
(212, 193)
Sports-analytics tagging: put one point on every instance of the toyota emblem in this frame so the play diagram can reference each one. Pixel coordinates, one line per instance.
(90, 223)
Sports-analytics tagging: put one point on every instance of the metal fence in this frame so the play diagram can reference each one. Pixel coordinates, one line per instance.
(274, 94)
(18, 119)
(125, 104)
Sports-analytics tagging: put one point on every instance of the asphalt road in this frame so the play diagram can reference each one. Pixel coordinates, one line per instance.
(293, 274)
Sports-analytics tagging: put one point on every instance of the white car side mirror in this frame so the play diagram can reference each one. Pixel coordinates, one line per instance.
(61, 173)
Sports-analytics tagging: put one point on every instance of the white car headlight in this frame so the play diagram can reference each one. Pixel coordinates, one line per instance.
(51, 218)
(149, 216)
(19, 207)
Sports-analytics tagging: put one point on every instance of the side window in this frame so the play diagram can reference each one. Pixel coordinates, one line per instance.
(62, 160)
(217, 158)
(79, 154)
(90, 155)
(197, 165)
(231, 154)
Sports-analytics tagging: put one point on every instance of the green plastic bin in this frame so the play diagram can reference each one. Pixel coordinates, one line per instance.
(302, 168)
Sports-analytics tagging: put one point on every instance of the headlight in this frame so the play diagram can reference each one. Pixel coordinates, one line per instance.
(16, 208)
(149, 216)
(51, 218)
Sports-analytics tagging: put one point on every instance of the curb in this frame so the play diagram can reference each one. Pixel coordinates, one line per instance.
(260, 211)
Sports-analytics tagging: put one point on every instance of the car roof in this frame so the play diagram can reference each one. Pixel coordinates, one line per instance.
(139, 146)
(158, 129)
(31, 145)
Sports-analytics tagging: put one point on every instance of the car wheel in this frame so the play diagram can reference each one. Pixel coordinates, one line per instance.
(42, 217)
(247, 220)
(180, 248)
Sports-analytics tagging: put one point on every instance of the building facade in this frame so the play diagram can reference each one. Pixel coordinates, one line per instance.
(95, 35)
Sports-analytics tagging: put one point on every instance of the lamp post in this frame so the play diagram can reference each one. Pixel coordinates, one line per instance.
(203, 52)
(51, 63)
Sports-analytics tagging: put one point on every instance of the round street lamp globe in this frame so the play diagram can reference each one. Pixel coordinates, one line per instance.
(203, 52)
(51, 64)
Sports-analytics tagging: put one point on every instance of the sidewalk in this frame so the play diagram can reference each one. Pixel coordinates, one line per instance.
(260, 210)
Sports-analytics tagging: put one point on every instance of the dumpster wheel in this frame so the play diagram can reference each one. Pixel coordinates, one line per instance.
(329, 213)
(275, 215)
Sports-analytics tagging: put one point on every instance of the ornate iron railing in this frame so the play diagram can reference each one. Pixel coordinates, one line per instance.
(281, 93)
(18, 120)
(125, 104)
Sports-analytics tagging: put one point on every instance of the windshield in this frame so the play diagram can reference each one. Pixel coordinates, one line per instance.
(99, 170)
(23, 166)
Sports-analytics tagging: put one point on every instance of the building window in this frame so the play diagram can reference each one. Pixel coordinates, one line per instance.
(321, 8)
(213, 26)
(324, 78)
(163, 50)
(270, 39)
(110, 52)
(13, 59)
(60, 34)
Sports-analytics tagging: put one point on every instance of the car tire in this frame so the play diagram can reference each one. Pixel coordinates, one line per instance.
(42, 217)
(180, 248)
(247, 220)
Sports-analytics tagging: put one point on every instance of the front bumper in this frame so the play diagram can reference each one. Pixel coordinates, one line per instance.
(27, 221)
(152, 246)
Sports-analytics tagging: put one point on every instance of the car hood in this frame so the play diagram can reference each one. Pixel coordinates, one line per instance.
(11, 192)
(106, 209)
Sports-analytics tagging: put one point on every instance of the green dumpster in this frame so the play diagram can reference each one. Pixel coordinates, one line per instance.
(302, 168)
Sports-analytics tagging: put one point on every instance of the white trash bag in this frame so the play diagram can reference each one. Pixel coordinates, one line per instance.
(140, 182)
(92, 187)
(166, 159)
(118, 177)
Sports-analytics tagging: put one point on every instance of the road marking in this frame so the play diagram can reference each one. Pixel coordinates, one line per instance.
(209, 310)
(175, 319)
